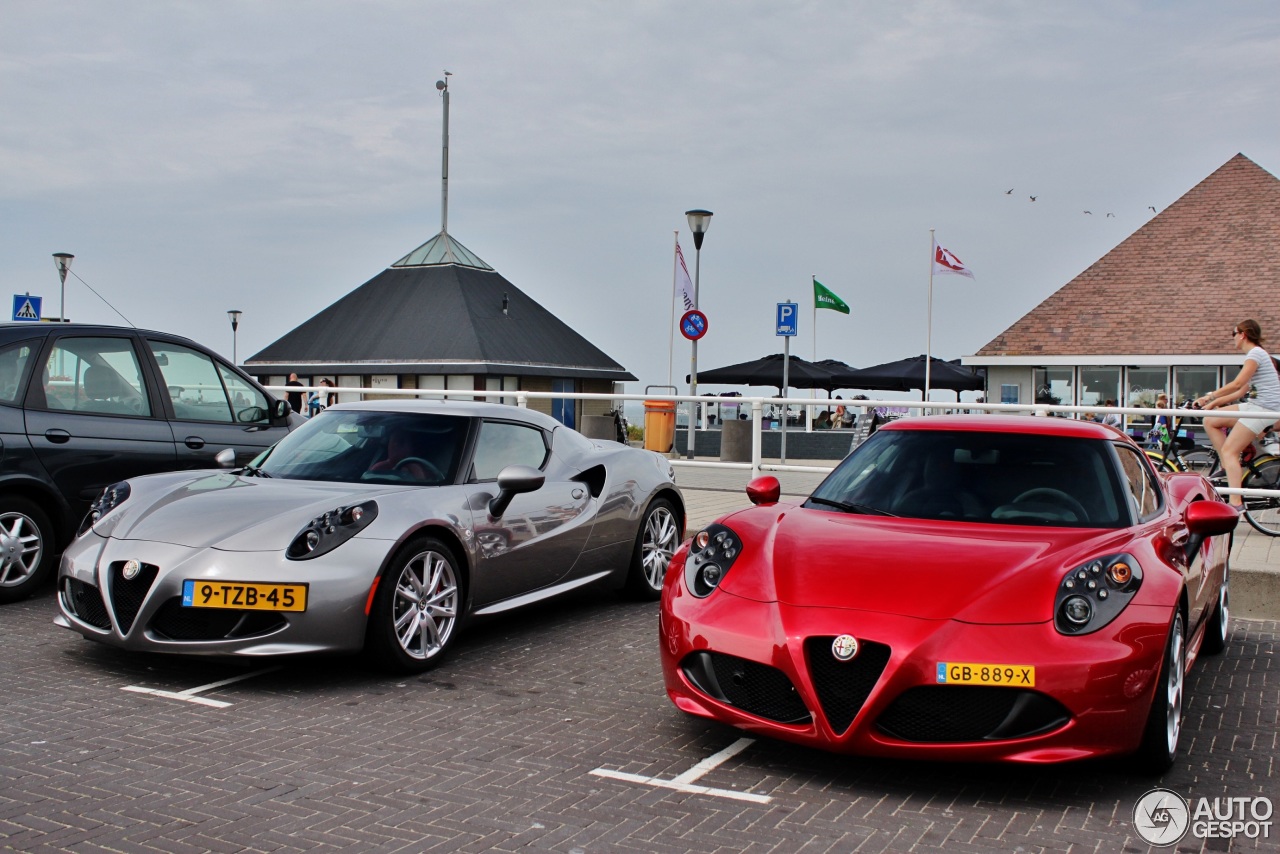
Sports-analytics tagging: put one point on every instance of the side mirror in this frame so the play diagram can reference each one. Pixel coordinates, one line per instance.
(764, 490)
(280, 409)
(1210, 518)
(512, 481)
(226, 458)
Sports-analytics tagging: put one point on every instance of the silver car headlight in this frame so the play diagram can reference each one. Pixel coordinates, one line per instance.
(331, 529)
(1094, 593)
(111, 498)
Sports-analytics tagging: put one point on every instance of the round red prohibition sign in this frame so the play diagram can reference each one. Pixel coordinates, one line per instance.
(693, 325)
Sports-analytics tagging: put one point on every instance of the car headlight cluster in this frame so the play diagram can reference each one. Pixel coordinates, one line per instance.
(331, 529)
(1094, 593)
(111, 498)
(712, 552)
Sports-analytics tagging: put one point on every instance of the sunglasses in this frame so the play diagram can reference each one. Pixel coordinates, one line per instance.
(1235, 332)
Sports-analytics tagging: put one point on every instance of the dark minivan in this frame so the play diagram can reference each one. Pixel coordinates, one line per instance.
(82, 407)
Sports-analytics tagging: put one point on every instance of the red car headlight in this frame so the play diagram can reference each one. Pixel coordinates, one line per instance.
(1094, 593)
(713, 550)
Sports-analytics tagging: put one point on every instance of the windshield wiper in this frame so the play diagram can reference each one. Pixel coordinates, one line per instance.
(250, 471)
(851, 507)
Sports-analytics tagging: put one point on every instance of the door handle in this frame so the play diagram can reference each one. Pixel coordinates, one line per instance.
(195, 443)
(57, 435)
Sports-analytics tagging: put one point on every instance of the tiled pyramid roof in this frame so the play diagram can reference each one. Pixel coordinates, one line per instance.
(1176, 286)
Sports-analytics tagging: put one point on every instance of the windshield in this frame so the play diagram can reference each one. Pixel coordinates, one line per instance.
(369, 447)
(974, 476)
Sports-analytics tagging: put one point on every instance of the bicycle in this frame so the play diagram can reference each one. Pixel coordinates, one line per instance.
(620, 426)
(1261, 471)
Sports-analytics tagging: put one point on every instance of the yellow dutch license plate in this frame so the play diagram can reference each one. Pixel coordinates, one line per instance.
(244, 595)
(961, 673)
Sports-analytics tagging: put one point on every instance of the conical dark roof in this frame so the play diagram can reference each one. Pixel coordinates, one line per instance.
(437, 318)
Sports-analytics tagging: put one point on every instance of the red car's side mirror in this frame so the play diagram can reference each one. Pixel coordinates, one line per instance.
(764, 490)
(1210, 518)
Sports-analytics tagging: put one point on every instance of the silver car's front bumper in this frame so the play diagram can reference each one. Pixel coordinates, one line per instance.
(146, 612)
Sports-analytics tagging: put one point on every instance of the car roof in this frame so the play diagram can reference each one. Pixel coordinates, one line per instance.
(1024, 424)
(18, 329)
(460, 408)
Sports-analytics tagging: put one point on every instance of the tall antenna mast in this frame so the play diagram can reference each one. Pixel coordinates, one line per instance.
(443, 87)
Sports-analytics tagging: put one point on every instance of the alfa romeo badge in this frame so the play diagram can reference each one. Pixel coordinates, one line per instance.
(844, 647)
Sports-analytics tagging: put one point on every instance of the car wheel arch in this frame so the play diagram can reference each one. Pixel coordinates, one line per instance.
(671, 495)
(53, 505)
(449, 537)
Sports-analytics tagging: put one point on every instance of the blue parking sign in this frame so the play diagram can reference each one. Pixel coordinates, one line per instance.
(26, 307)
(788, 318)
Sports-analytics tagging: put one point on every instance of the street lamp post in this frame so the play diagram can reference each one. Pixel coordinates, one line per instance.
(235, 324)
(698, 222)
(63, 260)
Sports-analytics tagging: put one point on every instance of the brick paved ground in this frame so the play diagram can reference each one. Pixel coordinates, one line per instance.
(494, 749)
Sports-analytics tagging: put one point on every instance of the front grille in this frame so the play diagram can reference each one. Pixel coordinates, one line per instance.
(85, 601)
(946, 713)
(757, 689)
(127, 595)
(174, 622)
(843, 686)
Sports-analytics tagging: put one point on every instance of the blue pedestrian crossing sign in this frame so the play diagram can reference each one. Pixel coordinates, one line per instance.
(26, 307)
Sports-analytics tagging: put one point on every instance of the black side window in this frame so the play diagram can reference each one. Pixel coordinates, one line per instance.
(14, 360)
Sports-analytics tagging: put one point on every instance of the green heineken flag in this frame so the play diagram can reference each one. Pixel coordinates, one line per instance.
(823, 298)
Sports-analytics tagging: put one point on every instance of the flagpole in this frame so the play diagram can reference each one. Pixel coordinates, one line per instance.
(928, 343)
(671, 329)
(813, 279)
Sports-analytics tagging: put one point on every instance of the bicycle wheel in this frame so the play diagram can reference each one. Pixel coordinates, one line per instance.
(1161, 462)
(1200, 459)
(1263, 512)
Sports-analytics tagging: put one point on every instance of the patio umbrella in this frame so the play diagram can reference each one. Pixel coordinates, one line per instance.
(839, 370)
(767, 371)
(908, 375)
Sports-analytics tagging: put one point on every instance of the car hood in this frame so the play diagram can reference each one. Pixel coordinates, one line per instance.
(978, 573)
(227, 511)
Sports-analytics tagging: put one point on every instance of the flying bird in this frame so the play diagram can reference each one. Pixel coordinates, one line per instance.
(1009, 192)
(1152, 209)
(1033, 198)
(1110, 214)
(1090, 213)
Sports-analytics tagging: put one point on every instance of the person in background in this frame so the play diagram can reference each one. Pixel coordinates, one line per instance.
(1112, 419)
(824, 420)
(1234, 437)
(329, 397)
(294, 397)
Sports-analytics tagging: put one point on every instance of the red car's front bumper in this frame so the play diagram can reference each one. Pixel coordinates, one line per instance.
(725, 658)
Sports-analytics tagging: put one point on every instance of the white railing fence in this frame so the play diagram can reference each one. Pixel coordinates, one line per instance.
(757, 405)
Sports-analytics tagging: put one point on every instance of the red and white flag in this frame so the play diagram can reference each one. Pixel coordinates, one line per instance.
(684, 285)
(945, 262)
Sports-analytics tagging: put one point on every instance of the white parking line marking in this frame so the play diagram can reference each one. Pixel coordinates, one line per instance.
(189, 695)
(684, 782)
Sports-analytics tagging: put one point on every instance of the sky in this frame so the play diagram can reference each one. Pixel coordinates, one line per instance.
(272, 156)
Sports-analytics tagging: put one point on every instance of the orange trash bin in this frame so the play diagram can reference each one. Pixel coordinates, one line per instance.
(659, 425)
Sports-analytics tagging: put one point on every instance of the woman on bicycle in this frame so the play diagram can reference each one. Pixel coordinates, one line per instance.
(1232, 436)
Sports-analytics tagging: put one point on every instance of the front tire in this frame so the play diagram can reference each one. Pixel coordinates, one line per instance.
(415, 612)
(1164, 722)
(26, 548)
(1218, 628)
(656, 542)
